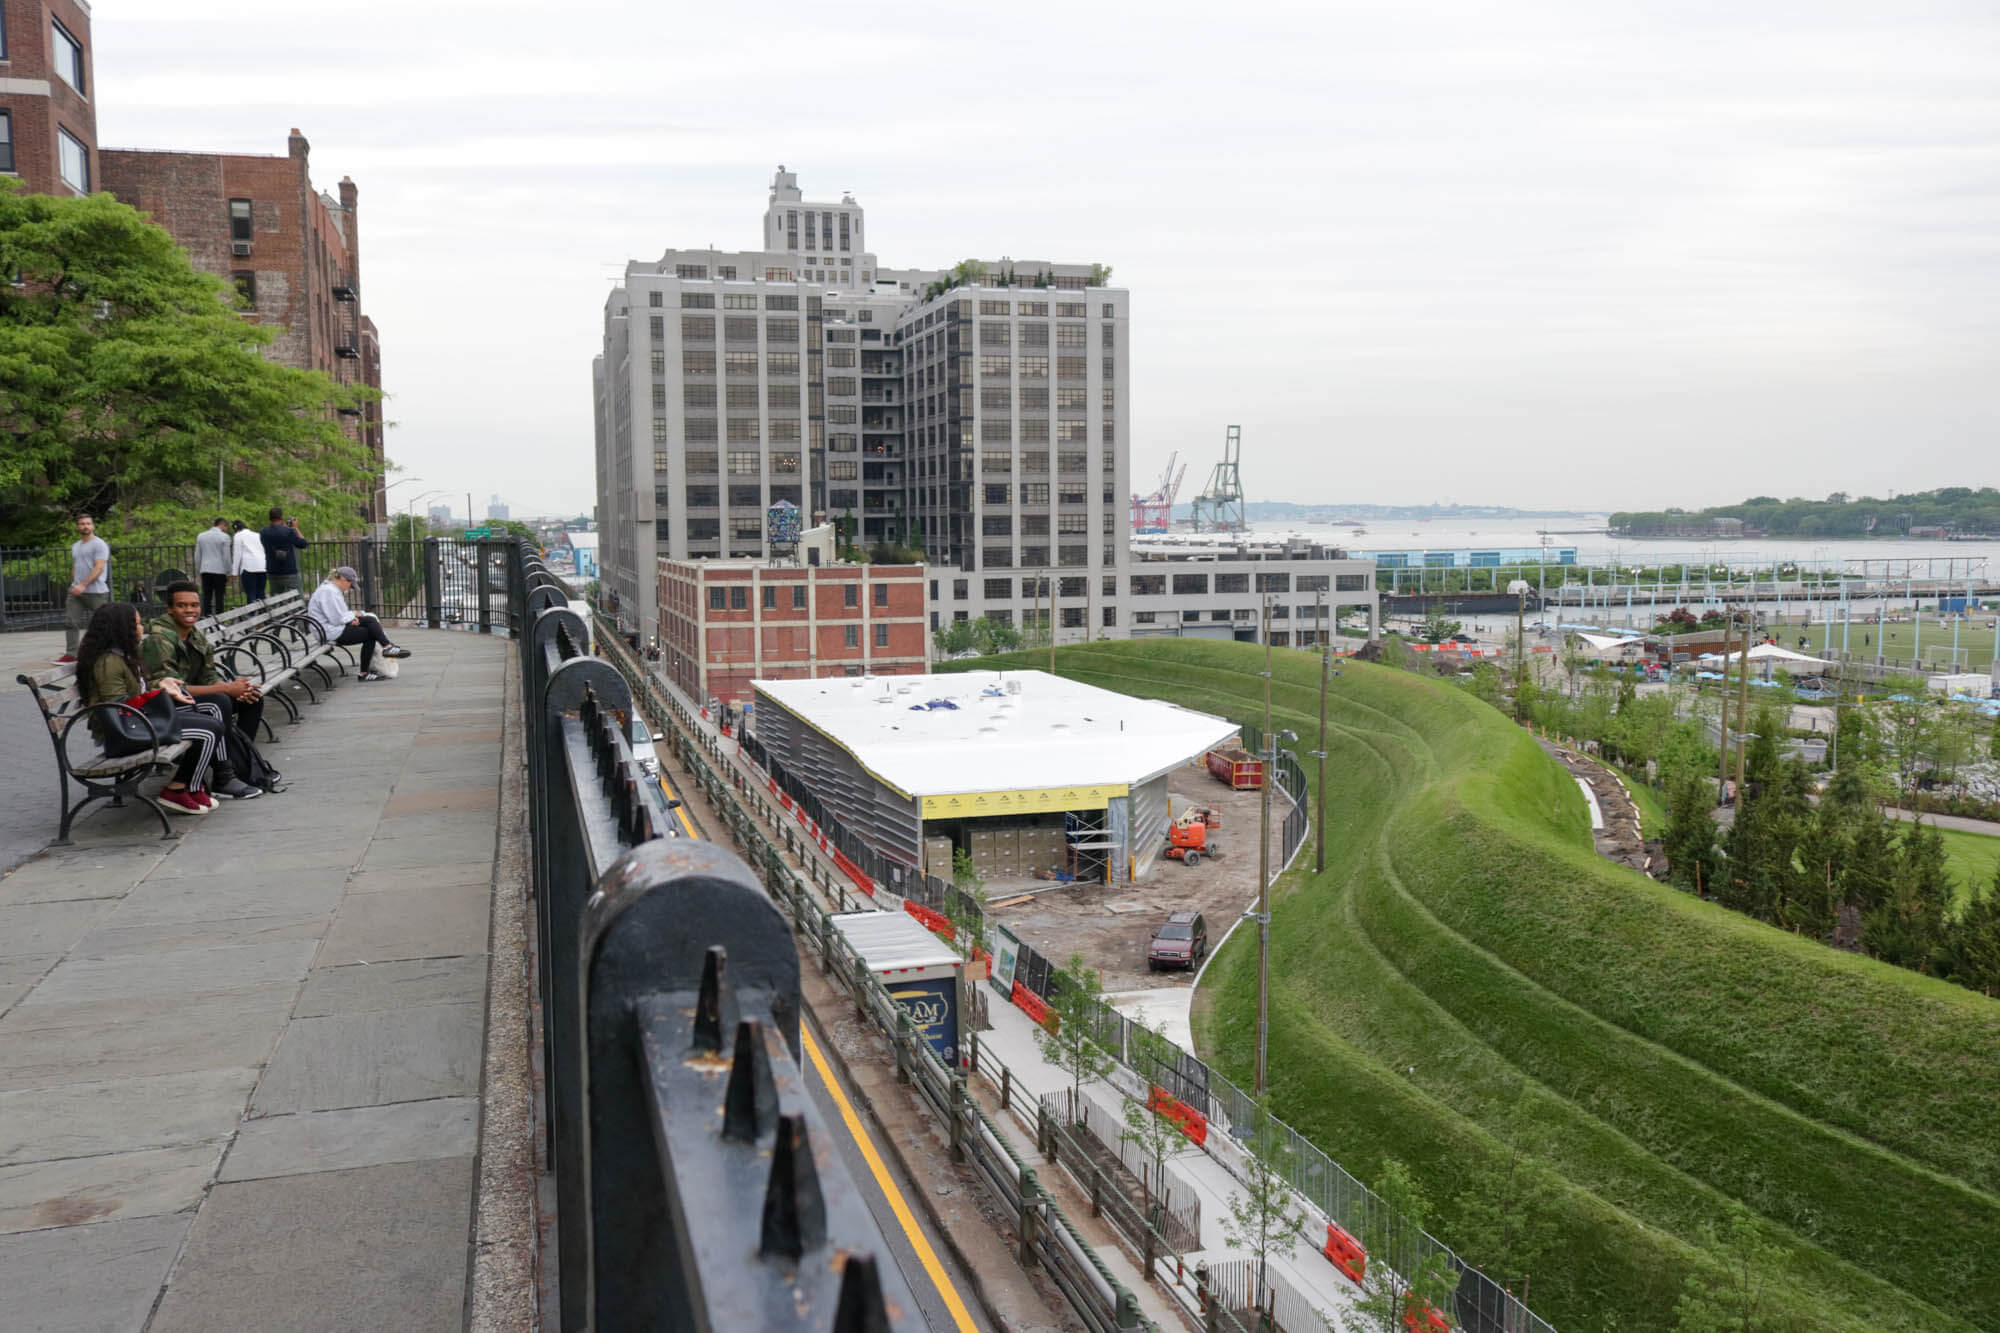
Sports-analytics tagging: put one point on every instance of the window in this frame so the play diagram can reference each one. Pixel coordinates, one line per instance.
(851, 636)
(736, 328)
(698, 328)
(770, 597)
(1274, 583)
(744, 462)
(239, 221)
(996, 398)
(1071, 493)
(701, 497)
(781, 331)
(843, 386)
(993, 365)
(1309, 583)
(739, 598)
(1073, 432)
(785, 463)
(843, 469)
(782, 397)
(778, 274)
(1190, 583)
(1072, 367)
(1232, 583)
(1034, 367)
(959, 588)
(743, 430)
(995, 308)
(1079, 525)
(659, 460)
(1035, 308)
(1034, 525)
(739, 363)
(1350, 582)
(69, 57)
(718, 598)
(704, 529)
(843, 443)
(727, 272)
(1073, 556)
(700, 465)
(1149, 585)
(1034, 335)
(998, 589)
(1069, 309)
(746, 529)
(694, 362)
(881, 631)
(699, 430)
(6, 125)
(798, 597)
(850, 594)
(994, 335)
(1034, 492)
(743, 398)
(1072, 460)
(659, 430)
(246, 288)
(996, 525)
(996, 460)
(1035, 399)
(692, 300)
(1071, 335)
(746, 497)
(998, 557)
(996, 430)
(840, 358)
(698, 272)
(75, 161)
(779, 302)
(1072, 399)
(1110, 437)
(659, 397)
(843, 414)
(996, 494)
(881, 594)
(1110, 337)
(783, 363)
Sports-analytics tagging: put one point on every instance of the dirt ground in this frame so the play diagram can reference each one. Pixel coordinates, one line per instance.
(1071, 918)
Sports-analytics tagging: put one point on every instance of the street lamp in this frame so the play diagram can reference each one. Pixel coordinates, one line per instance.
(382, 492)
(411, 508)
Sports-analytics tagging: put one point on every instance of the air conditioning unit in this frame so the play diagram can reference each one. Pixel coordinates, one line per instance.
(239, 247)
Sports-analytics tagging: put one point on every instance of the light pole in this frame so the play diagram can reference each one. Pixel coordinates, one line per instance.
(410, 510)
(1263, 912)
(383, 493)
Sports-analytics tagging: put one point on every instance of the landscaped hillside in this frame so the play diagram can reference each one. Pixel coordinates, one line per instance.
(1585, 1069)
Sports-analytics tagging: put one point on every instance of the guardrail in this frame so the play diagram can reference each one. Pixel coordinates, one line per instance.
(1045, 1234)
(694, 1181)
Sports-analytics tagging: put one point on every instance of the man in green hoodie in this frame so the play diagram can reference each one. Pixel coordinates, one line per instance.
(174, 647)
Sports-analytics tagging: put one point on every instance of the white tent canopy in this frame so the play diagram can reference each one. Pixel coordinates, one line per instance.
(1771, 652)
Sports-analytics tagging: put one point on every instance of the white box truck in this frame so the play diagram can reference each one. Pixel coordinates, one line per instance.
(918, 969)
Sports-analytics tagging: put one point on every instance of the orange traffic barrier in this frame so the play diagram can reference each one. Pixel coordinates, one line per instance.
(1192, 1122)
(934, 921)
(1031, 1004)
(1346, 1253)
(1421, 1317)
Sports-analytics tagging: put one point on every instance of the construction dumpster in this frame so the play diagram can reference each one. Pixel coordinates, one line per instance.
(1238, 768)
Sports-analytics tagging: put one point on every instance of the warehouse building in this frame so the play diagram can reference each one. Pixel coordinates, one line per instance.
(1028, 773)
(1215, 585)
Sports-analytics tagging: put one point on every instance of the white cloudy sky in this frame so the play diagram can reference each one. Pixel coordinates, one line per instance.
(1597, 254)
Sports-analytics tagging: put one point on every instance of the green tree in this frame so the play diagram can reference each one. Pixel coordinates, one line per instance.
(127, 378)
(984, 635)
(1070, 1042)
(1406, 1275)
(1729, 1297)
(1501, 1215)
(1265, 1215)
(1155, 1137)
(1486, 684)
(1907, 926)
(1975, 940)
(1690, 835)
(1438, 626)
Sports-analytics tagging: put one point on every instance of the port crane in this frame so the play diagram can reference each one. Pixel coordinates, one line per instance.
(1155, 512)
(1220, 507)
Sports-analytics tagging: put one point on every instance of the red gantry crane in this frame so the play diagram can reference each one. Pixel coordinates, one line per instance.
(1155, 512)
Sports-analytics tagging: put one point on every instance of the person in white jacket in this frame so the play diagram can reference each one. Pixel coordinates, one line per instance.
(328, 609)
(247, 561)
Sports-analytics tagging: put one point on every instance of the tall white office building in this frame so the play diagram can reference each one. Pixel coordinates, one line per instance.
(980, 414)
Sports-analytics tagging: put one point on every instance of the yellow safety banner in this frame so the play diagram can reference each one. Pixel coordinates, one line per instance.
(1041, 800)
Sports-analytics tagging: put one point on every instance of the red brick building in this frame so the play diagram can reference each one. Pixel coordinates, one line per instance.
(725, 623)
(292, 252)
(48, 114)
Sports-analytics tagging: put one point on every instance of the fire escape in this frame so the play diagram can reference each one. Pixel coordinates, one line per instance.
(347, 336)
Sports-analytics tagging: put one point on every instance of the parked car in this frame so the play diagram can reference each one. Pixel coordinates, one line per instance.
(1462, 638)
(642, 748)
(1181, 941)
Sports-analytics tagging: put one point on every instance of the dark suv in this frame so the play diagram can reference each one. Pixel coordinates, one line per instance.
(1181, 942)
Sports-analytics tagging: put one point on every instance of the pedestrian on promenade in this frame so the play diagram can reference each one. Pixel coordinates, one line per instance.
(89, 583)
(329, 610)
(108, 667)
(213, 556)
(282, 544)
(248, 561)
(174, 648)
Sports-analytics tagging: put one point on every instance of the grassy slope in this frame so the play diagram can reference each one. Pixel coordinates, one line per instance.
(1466, 948)
(1973, 857)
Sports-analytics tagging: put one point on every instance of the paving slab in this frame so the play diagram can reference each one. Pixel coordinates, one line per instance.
(35, 930)
(464, 827)
(363, 988)
(378, 1247)
(124, 1115)
(292, 1145)
(46, 1044)
(113, 938)
(19, 975)
(421, 877)
(447, 921)
(83, 873)
(290, 891)
(466, 844)
(254, 850)
(166, 976)
(368, 1059)
(88, 1279)
(76, 1190)
(412, 781)
(440, 802)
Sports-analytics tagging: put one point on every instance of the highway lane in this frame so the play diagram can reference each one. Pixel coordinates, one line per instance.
(942, 1291)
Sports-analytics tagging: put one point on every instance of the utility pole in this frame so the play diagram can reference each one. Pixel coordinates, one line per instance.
(1722, 720)
(1052, 626)
(1319, 788)
(1038, 616)
(1270, 749)
(1742, 713)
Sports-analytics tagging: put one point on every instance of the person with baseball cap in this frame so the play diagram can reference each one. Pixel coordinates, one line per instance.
(328, 609)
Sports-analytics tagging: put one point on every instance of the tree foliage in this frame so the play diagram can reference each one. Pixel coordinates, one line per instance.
(984, 635)
(1070, 1043)
(1956, 507)
(1731, 1300)
(1406, 1278)
(126, 378)
(1265, 1215)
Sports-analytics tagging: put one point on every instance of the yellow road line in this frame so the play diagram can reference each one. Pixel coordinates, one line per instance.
(925, 1254)
(680, 811)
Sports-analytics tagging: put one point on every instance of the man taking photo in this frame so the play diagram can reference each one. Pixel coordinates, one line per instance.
(174, 647)
(282, 544)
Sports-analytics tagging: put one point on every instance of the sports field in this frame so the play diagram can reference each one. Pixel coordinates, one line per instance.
(1468, 979)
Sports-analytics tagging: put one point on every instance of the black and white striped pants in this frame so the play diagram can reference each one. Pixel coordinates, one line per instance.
(204, 729)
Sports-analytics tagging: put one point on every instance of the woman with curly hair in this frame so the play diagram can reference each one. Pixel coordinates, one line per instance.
(109, 671)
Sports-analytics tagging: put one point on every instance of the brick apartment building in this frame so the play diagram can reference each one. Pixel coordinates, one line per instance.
(725, 623)
(48, 118)
(292, 253)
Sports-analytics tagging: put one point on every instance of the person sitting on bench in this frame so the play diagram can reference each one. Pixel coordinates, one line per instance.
(329, 611)
(174, 647)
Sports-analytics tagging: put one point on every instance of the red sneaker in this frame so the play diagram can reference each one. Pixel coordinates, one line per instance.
(206, 797)
(181, 802)
(66, 659)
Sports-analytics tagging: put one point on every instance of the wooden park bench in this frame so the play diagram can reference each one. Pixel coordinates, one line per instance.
(103, 777)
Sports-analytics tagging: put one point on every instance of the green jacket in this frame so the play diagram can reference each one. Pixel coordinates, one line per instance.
(112, 681)
(165, 653)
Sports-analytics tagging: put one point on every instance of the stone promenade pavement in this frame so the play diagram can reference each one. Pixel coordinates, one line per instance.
(240, 1074)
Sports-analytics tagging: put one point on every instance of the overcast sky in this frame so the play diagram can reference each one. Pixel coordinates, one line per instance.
(1597, 254)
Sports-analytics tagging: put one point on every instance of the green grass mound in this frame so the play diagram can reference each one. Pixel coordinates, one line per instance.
(1586, 1069)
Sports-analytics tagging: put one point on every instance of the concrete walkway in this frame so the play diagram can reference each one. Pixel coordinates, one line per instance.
(240, 1073)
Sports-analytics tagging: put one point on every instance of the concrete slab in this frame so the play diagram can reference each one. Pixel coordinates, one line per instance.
(124, 1115)
(34, 930)
(254, 853)
(272, 891)
(76, 1190)
(82, 872)
(380, 1247)
(462, 826)
(89, 1279)
(106, 941)
(458, 736)
(441, 802)
(42, 1045)
(444, 922)
(421, 781)
(362, 988)
(444, 849)
(369, 1059)
(421, 877)
(19, 975)
(293, 1145)
(168, 976)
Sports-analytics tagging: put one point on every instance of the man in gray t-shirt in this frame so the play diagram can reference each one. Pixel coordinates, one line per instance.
(89, 582)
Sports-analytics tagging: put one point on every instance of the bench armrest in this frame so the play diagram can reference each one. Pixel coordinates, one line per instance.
(87, 710)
